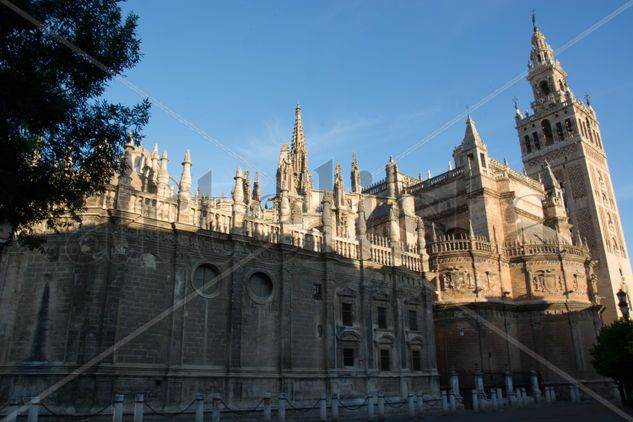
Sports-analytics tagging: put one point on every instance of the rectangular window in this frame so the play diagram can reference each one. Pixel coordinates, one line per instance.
(415, 360)
(346, 314)
(382, 317)
(482, 157)
(413, 320)
(384, 360)
(348, 356)
(316, 291)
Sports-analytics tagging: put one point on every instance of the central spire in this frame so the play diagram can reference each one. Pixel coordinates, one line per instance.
(298, 140)
(299, 157)
(471, 137)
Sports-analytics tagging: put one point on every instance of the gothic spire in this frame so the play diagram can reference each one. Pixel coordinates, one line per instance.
(298, 139)
(339, 187)
(238, 189)
(185, 178)
(257, 194)
(471, 137)
(549, 179)
(355, 175)
(299, 157)
(163, 173)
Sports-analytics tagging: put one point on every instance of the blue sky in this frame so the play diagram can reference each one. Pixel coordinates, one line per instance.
(374, 77)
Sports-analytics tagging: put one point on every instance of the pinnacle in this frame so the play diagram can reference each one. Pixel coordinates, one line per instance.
(549, 179)
(471, 137)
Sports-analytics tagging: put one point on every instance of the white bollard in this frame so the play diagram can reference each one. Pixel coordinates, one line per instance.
(475, 395)
(421, 403)
(411, 404)
(548, 397)
(139, 402)
(281, 408)
(444, 402)
(215, 408)
(500, 397)
(323, 407)
(507, 375)
(454, 381)
(452, 403)
(493, 397)
(381, 406)
(370, 407)
(199, 407)
(267, 409)
(334, 406)
(12, 410)
(117, 413)
(479, 381)
(536, 391)
(572, 393)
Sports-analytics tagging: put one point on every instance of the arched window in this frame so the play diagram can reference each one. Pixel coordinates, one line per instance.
(547, 132)
(559, 131)
(569, 127)
(537, 143)
(589, 130)
(528, 144)
(544, 86)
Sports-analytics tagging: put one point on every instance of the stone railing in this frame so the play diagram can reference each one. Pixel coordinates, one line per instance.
(502, 168)
(375, 239)
(382, 255)
(217, 221)
(262, 230)
(376, 188)
(344, 247)
(456, 244)
(412, 261)
(510, 249)
(514, 249)
(441, 178)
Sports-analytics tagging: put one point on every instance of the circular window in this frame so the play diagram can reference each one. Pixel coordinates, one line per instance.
(206, 281)
(260, 286)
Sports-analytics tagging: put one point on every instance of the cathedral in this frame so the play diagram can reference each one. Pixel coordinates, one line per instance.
(388, 287)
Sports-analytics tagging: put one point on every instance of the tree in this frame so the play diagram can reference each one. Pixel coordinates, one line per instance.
(60, 141)
(613, 356)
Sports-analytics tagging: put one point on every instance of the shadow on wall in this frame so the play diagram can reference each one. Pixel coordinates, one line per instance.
(221, 313)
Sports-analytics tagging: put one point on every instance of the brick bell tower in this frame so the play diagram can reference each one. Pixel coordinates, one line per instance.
(564, 133)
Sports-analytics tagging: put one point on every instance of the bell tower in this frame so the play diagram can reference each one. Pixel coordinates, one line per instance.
(564, 133)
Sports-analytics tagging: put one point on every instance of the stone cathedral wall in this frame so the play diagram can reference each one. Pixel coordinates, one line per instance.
(271, 322)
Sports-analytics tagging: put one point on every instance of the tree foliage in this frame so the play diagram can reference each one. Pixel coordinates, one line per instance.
(60, 141)
(613, 355)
